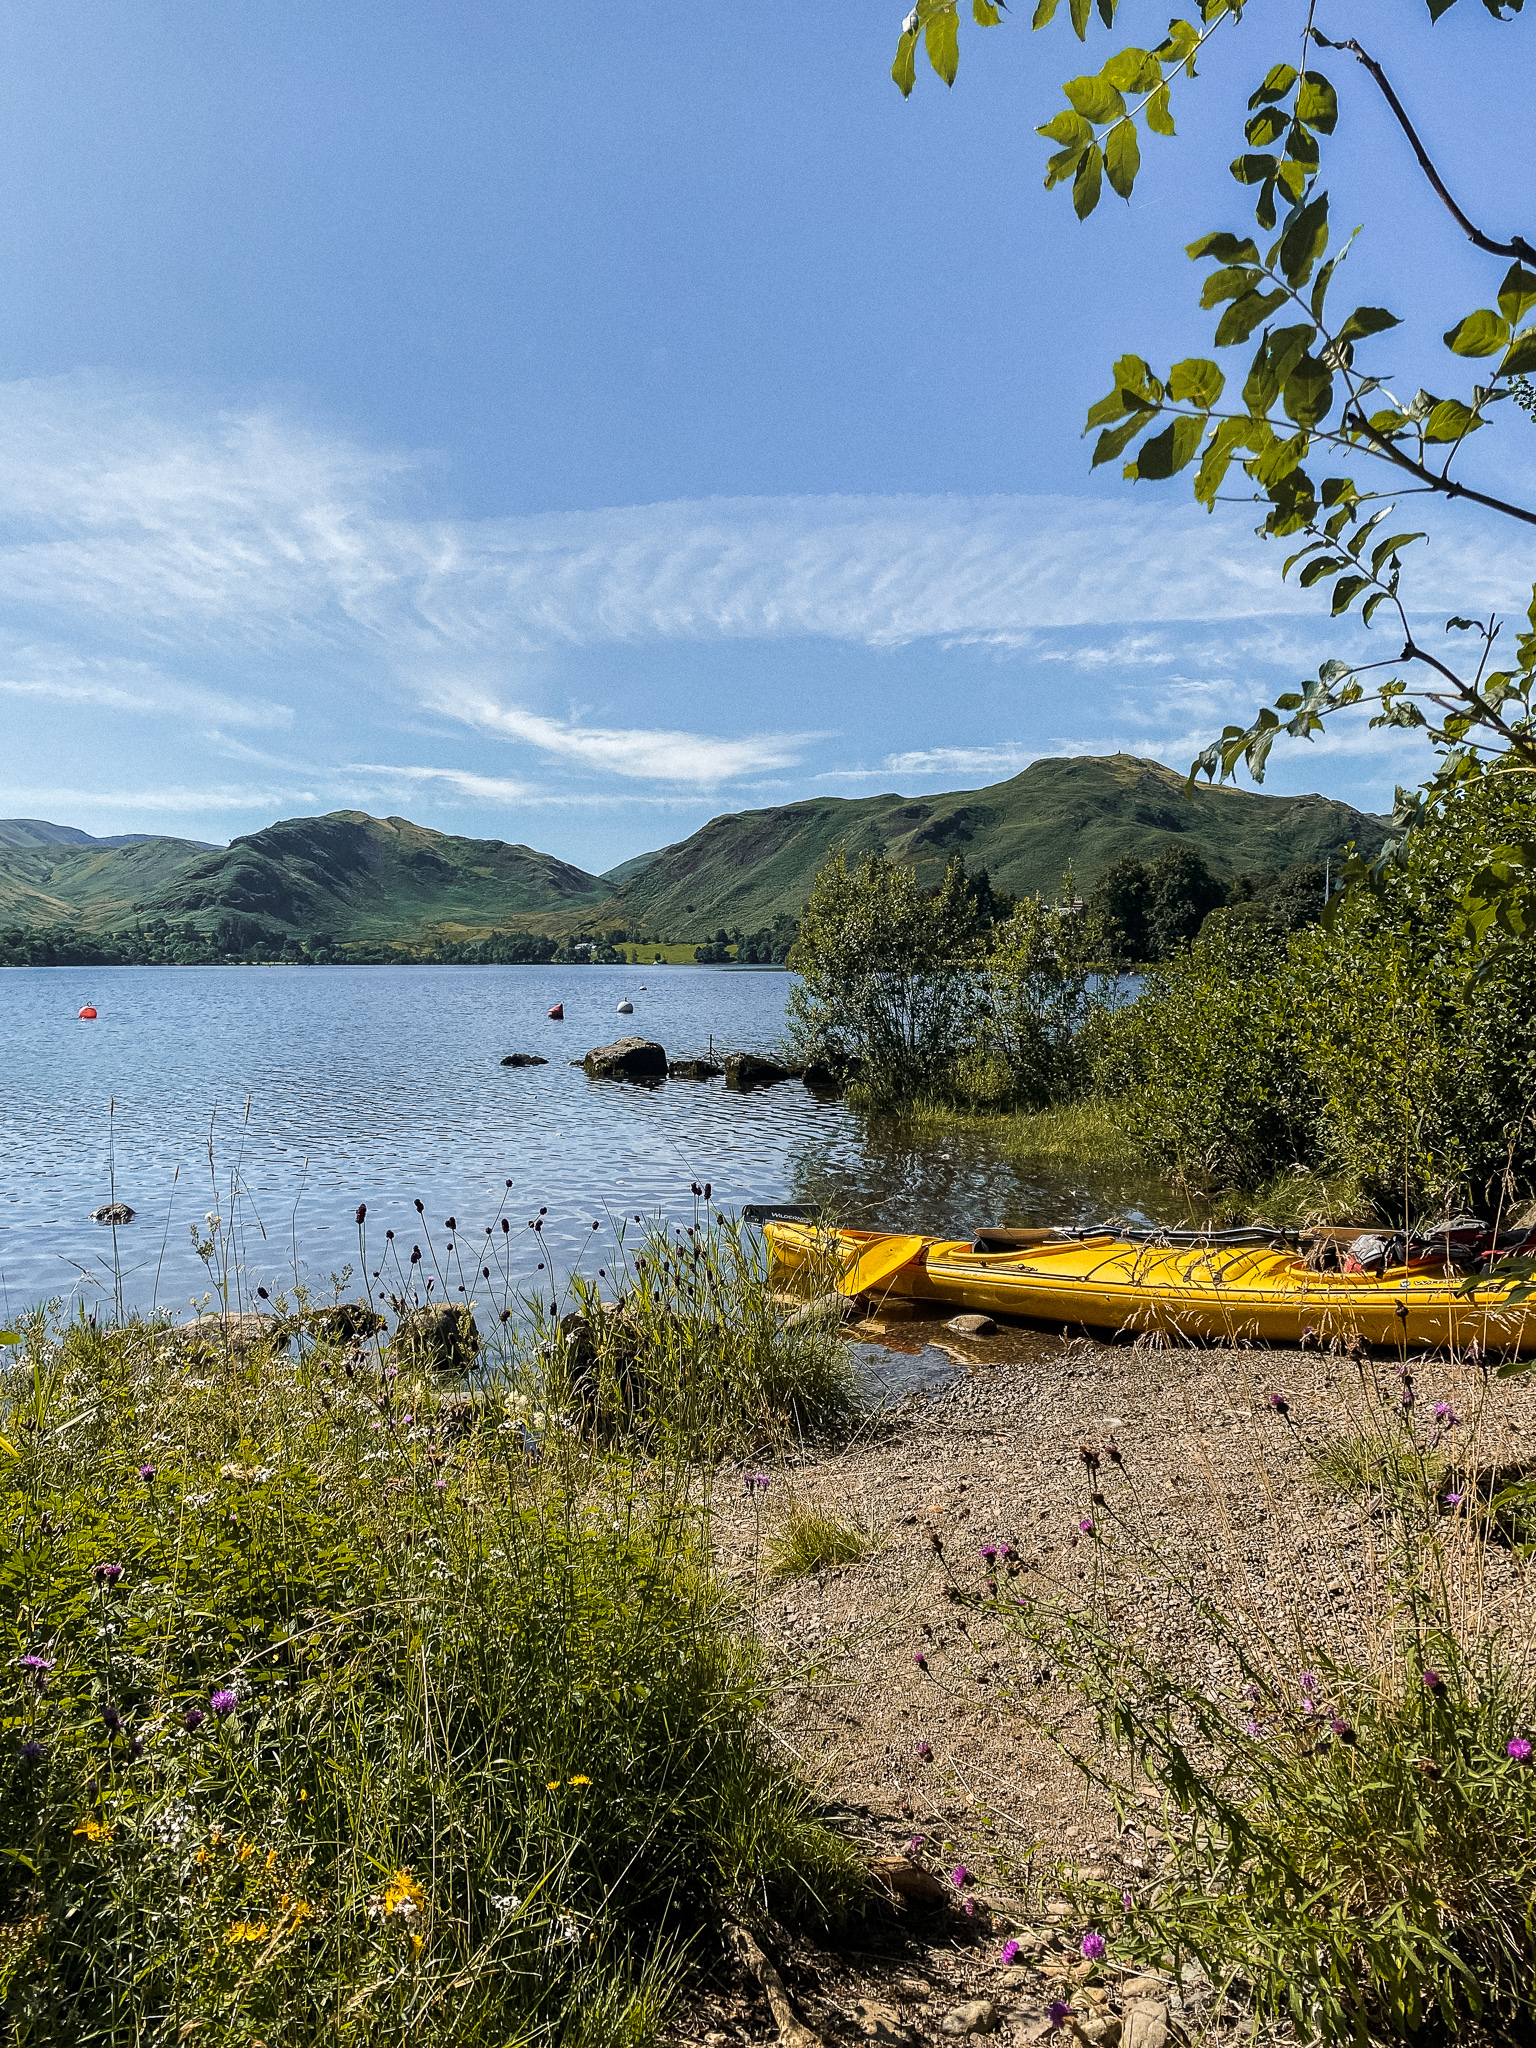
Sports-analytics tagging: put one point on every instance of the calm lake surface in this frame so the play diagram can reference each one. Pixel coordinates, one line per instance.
(323, 1087)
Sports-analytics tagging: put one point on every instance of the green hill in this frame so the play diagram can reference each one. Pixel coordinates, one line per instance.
(745, 869)
(92, 887)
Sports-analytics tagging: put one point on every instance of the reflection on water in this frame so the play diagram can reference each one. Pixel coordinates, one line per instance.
(309, 1090)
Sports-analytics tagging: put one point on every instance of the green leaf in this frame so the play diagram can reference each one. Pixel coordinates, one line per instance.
(1114, 439)
(1133, 70)
(1367, 320)
(1044, 13)
(1230, 282)
(1264, 127)
(1321, 566)
(1384, 549)
(1064, 163)
(1179, 45)
(1229, 436)
(1346, 590)
(986, 13)
(1168, 452)
(1264, 207)
(1067, 127)
(904, 70)
(1275, 358)
(1517, 294)
(941, 37)
(1522, 357)
(1450, 420)
(1080, 19)
(1224, 248)
(1244, 314)
(1277, 84)
(1094, 98)
(1368, 609)
(1277, 461)
(1308, 392)
(1133, 377)
(10, 1336)
(1317, 103)
(1158, 113)
(1085, 186)
(1304, 240)
(1122, 157)
(1482, 333)
(1196, 382)
(1253, 170)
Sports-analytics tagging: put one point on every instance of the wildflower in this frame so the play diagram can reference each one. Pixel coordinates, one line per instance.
(111, 1719)
(91, 1828)
(970, 1906)
(223, 1702)
(106, 1574)
(192, 1720)
(1127, 1901)
(1343, 1731)
(505, 1902)
(1089, 1456)
(33, 1752)
(147, 1474)
(1519, 1750)
(919, 1660)
(578, 1781)
(362, 1211)
(1113, 1452)
(1309, 1682)
(1280, 1404)
(1086, 1525)
(1454, 1500)
(247, 1930)
(960, 1877)
(925, 1750)
(403, 1896)
(1446, 1416)
(37, 1668)
(989, 1553)
(1433, 1682)
(1010, 1955)
(914, 1847)
(1058, 2012)
(1093, 1947)
(1409, 1397)
(553, 1785)
(1252, 1728)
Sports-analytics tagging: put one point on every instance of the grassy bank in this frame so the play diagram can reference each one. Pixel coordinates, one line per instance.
(335, 1701)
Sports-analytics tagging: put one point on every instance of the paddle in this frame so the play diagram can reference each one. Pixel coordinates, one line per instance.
(878, 1262)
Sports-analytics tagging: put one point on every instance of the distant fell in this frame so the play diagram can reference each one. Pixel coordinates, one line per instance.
(32, 832)
(746, 868)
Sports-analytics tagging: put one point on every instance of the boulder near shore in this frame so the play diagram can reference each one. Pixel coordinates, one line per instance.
(627, 1059)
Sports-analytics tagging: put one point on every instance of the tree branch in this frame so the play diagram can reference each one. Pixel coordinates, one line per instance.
(1379, 443)
(1517, 246)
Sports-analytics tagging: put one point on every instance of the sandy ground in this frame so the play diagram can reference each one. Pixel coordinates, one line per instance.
(1213, 1484)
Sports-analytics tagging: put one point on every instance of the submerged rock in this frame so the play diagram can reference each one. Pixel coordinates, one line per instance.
(113, 1212)
(693, 1070)
(746, 1070)
(524, 1059)
(627, 1059)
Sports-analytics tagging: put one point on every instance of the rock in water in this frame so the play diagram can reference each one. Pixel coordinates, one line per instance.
(349, 1322)
(627, 1059)
(972, 1326)
(693, 1070)
(524, 1059)
(746, 1070)
(228, 1333)
(113, 1212)
(441, 1335)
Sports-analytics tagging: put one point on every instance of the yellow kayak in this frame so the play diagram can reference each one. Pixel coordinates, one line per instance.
(1208, 1291)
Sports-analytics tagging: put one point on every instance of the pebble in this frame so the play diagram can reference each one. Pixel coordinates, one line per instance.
(972, 1326)
(880, 2022)
(1144, 2024)
(976, 2016)
(1144, 1987)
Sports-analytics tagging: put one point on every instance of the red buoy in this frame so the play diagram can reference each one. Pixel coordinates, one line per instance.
(87, 1011)
(558, 1013)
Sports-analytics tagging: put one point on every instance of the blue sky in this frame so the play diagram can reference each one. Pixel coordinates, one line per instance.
(569, 422)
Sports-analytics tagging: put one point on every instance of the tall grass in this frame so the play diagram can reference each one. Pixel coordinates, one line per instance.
(337, 1702)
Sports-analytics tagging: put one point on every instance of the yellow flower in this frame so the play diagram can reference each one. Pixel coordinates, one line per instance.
(553, 1785)
(581, 1781)
(91, 1828)
(271, 1860)
(297, 1910)
(302, 1793)
(418, 1942)
(246, 1850)
(248, 1930)
(403, 1895)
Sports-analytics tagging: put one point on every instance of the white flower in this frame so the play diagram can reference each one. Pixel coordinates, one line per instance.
(506, 1902)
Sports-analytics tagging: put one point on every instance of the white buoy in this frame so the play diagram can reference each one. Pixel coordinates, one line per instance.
(626, 1008)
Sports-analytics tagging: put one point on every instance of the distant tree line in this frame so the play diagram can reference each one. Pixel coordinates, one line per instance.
(1142, 911)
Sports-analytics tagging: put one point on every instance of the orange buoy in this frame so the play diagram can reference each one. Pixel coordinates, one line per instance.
(558, 1013)
(87, 1011)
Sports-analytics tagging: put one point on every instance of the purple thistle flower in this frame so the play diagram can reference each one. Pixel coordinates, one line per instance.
(1253, 1728)
(1409, 1397)
(1127, 1901)
(925, 1750)
(1343, 1731)
(147, 1474)
(37, 1668)
(192, 1720)
(106, 1574)
(919, 1660)
(1309, 1682)
(32, 1752)
(1308, 1704)
(1433, 1682)
(1011, 1954)
(223, 1702)
(1280, 1404)
(1093, 1947)
(1058, 2012)
(1453, 1500)
(1086, 1525)
(914, 1847)
(969, 1906)
(362, 1211)
(112, 1719)
(1519, 1749)
(960, 1877)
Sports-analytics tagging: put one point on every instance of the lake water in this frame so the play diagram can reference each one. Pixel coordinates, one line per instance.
(324, 1087)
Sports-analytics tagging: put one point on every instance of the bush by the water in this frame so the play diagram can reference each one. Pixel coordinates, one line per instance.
(335, 1704)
